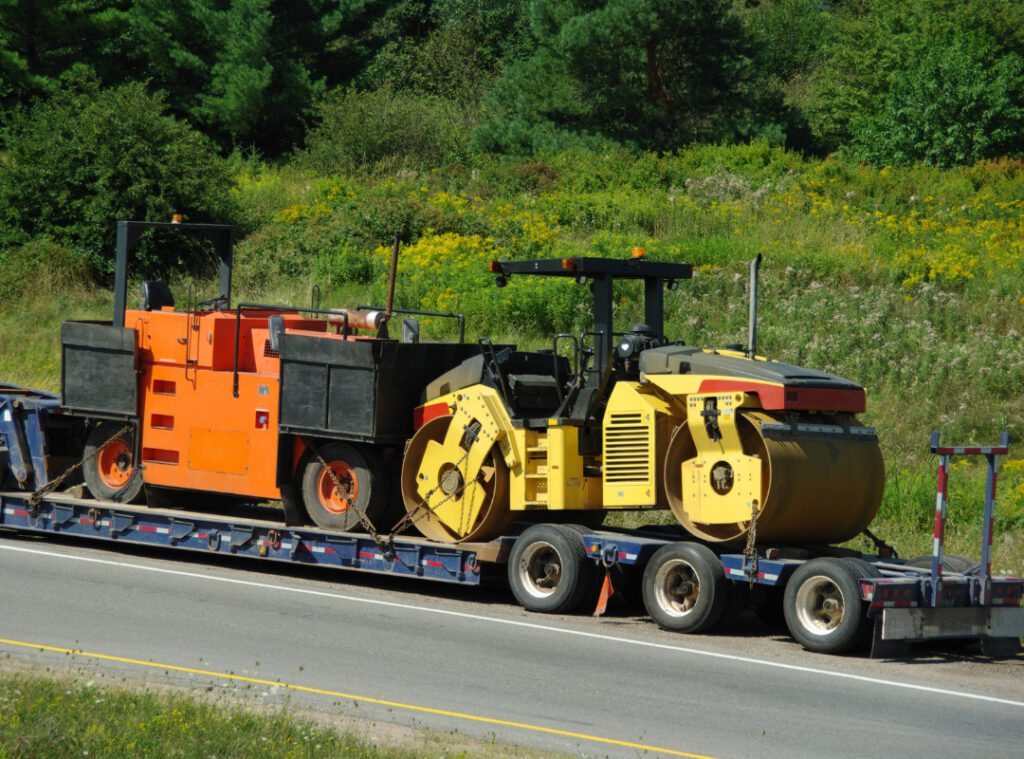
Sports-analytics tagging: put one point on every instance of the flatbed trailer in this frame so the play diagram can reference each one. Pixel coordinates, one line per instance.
(686, 585)
(263, 538)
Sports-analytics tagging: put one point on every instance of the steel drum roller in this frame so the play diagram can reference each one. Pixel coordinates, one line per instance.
(814, 488)
(452, 504)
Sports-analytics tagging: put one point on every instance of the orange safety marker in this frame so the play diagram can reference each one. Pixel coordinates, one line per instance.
(607, 591)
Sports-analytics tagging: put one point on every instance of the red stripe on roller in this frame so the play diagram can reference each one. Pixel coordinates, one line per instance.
(423, 414)
(146, 528)
(780, 397)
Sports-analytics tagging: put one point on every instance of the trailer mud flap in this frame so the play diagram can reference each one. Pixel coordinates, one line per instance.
(965, 622)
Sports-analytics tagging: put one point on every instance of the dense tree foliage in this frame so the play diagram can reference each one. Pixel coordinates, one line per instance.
(77, 162)
(937, 81)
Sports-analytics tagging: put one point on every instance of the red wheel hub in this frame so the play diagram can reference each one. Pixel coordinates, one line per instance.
(339, 498)
(115, 465)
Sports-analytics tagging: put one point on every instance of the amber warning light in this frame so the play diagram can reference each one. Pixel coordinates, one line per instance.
(638, 252)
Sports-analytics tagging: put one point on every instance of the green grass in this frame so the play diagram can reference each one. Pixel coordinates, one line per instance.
(60, 717)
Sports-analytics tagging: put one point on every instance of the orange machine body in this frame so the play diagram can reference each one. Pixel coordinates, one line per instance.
(196, 433)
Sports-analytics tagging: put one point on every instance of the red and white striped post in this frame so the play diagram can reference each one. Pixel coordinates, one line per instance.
(939, 531)
(991, 454)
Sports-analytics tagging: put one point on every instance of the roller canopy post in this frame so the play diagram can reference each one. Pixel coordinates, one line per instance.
(222, 237)
(602, 273)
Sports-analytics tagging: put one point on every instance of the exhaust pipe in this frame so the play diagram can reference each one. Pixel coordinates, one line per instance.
(755, 267)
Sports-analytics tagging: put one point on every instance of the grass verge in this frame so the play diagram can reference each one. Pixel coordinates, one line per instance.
(63, 716)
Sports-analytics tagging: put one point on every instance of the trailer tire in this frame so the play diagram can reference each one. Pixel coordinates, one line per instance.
(361, 474)
(548, 569)
(823, 607)
(109, 470)
(685, 589)
(950, 563)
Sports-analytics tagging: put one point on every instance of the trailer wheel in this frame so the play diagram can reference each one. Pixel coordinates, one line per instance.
(823, 607)
(363, 486)
(110, 471)
(548, 569)
(685, 589)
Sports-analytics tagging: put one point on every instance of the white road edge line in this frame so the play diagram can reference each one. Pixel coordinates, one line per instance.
(531, 626)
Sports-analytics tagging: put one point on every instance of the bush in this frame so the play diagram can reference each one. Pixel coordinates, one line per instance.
(961, 103)
(86, 158)
(363, 128)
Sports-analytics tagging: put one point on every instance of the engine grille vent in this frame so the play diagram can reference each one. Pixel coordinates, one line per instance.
(626, 449)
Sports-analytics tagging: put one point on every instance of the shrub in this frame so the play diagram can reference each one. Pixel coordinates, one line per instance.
(960, 103)
(80, 161)
(363, 128)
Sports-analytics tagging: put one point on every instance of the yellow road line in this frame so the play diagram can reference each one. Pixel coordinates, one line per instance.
(353, 697)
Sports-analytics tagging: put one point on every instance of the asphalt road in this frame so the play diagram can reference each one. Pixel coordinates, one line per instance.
(469, 660)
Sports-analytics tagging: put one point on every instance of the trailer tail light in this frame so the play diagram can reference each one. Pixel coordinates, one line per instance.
(568, 264)
(867, 590)
(494, 267)
(1006, 591)
(882, 593)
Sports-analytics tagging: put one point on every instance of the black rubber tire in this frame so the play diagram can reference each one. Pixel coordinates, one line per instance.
(803, 597)
(677, 563)
(568, 575)
(950, 563)
(371, 492)
(131, 491)
(589, 601)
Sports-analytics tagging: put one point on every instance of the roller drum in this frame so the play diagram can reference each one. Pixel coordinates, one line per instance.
(458, 492)
(815, 488)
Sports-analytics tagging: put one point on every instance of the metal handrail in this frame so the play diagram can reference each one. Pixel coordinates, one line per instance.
(266, 307)
(418, 312)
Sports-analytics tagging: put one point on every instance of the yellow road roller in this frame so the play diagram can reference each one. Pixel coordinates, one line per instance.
(729, 440)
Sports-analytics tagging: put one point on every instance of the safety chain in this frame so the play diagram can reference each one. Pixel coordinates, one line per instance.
(883, 548)
(386, 543)
(410, 516)
(366, 523)
(750, 551)
(36, 498)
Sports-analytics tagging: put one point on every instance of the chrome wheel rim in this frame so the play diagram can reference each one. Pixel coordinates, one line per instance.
(540, 569)
(677, 587)
(820, 605)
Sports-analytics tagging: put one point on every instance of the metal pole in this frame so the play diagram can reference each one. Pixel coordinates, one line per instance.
(121, 274)
(939, 534)
(392, 275)
(755, 267)
(986, 537)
